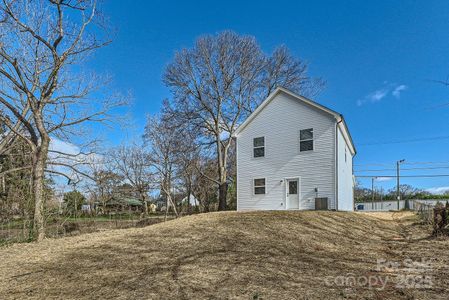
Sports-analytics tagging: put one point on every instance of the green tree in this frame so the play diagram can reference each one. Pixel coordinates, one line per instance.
(74, 200)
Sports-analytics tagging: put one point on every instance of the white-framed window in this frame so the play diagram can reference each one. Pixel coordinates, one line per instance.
(306, 140)
(259, 147)
(259, 186)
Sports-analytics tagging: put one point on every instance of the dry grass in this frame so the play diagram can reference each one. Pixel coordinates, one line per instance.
(383, 215)
(253, 255)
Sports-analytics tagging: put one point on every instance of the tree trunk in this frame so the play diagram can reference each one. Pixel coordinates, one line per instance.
(189, 192)
(166, 187)
(222, 174)
(166, 207)
(39, 161)
(170, 199)
(222, 194)
(145, 204)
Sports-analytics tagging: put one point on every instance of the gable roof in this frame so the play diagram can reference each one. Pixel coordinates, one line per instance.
(341, 123)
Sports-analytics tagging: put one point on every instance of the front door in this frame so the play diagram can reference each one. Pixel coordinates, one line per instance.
(292, 194)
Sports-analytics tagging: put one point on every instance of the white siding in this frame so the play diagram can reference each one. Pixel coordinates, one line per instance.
(345, 180)
(280, 122)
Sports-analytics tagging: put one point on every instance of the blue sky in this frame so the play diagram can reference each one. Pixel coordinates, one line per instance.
(379, 59)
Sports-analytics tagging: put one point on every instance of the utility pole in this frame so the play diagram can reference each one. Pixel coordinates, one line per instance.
(372, 192)
(398, 194)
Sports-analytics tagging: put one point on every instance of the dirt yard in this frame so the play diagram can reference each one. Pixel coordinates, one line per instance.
(254, 255)
(17, 231)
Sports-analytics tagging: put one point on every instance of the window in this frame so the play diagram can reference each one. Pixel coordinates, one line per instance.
(259, 147)
(306, 139)
(259, 186)
(293, 187)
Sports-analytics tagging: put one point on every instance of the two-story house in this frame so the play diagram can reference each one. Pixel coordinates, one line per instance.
(293, 153)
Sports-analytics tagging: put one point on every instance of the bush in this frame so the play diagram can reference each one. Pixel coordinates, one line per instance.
(148, 221)
(71, 227)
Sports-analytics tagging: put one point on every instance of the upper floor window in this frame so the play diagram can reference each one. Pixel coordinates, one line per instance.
(259, 147)
(306, 139)
(259, 186)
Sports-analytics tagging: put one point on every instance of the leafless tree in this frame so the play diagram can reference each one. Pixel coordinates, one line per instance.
(104, 188)
(43, 93)
(103, 181)
(204, 189)
(133, 163)
(163, 141)
(220, 80)
(187, 170)
(406, 191)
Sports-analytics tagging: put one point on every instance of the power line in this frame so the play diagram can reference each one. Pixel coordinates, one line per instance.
(373, 164)
(405, 163)
(426, 162)
(406, 141)
(404, 169)
(394, 176)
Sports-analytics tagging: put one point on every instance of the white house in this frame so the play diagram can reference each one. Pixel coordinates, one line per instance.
(293, 153)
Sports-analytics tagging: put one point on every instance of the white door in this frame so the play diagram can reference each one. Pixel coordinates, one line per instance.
(292, 194)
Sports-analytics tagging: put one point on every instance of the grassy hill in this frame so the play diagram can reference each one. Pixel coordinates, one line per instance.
(230, 255)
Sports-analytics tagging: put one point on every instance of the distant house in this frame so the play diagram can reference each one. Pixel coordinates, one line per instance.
(192, 201)
(293, 153)
(119, 204)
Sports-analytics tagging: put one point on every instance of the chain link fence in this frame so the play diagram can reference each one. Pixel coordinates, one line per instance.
(19, 229)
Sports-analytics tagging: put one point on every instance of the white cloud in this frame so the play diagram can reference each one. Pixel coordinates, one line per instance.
(397, 91)
(65, 147)
(383, 92)
(73, 153)
(438, 190)
(65, 153)
(383, 178)
(378, 95)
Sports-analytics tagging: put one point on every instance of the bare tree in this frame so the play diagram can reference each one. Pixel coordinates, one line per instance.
(204, 189)
(219, 81)
(43, 93)
(406, 191)
(187, 170)
(163, 141)
(104, 188)
(134, 165)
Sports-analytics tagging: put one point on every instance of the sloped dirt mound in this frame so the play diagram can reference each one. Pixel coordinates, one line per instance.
(230, 255)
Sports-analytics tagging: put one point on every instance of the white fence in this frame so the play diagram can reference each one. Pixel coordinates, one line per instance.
(392, 205)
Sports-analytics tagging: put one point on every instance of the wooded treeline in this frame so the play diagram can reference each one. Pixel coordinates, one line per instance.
(187, 149)
(362, 194)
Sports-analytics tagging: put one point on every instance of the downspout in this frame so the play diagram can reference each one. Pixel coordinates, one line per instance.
(353, 183)
(237, 200)
(336, 162)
